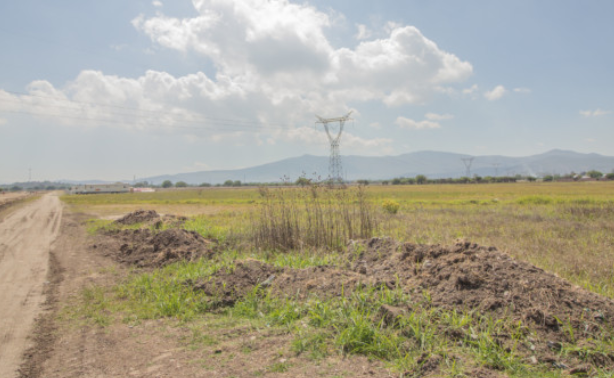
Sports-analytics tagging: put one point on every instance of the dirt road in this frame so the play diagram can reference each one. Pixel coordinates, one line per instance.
(26, 236)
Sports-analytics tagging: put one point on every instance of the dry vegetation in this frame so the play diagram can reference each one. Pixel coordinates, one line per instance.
(298, 238)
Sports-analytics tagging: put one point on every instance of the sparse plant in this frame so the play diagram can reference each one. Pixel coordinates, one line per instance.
(312, 217)
(390, 206)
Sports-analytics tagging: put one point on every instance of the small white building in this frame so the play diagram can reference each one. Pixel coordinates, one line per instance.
(118, 187)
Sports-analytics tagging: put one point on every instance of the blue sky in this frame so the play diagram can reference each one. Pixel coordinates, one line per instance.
(117, 89)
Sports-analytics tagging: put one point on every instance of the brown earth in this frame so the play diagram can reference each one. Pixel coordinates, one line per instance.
(151, 218)
(26, 234)
(144, 248)
(461, 277)
(76, 348)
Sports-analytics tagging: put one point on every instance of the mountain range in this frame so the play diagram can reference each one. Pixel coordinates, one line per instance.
(432, 164)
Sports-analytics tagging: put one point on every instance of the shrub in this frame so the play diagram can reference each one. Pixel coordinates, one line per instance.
(390, 206)
(312, 216)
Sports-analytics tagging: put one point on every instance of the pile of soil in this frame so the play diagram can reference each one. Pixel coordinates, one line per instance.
(464, 276)
(143, 248)
(139, 216)
(151, 218)
(467, 276)
(228, 286)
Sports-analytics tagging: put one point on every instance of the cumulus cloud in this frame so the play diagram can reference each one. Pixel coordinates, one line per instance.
(471, 90)
(273, 64)
(363, 32)
(594, 113)
(431, 122)
(3, 121)
(157, 3)
(310, 135)
(495, 94)
(281, 48)
(407, 123)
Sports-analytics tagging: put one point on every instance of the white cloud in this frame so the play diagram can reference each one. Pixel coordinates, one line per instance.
(407, 123)
(274, 64)
(438, 117)
(594, 113)
(280, 48)
(497, 92)
(310, 135)
(157, 4)
(375, 125)
(471, 90)
(363, 32)
(431, 122)
(3, 121)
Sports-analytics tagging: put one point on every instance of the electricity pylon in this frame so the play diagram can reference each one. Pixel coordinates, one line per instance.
(467, 162)
(335, 170)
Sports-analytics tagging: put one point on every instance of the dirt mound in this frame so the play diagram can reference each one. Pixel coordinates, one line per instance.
(461, 277)
(144, 248)
(231, 285)
(467, 276)
(138, 216)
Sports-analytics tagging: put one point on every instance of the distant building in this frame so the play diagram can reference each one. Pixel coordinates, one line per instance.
(142, 190)
(118, 187)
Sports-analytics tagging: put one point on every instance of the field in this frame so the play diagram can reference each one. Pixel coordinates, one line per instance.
(384, 299)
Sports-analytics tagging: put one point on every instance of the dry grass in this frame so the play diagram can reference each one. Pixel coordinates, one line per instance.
(566, 228)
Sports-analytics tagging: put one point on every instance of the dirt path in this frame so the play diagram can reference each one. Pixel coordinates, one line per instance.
(26, 235)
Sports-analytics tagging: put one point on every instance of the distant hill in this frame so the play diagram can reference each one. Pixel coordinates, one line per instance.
(430, 163)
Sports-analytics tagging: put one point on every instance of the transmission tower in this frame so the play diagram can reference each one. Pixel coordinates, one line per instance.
(467, 162)
(496, 165)
(335, 170)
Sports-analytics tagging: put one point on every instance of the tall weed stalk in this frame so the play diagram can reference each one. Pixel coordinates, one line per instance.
(312, 217)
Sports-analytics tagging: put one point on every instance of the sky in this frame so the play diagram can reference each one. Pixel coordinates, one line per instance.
(116, 89)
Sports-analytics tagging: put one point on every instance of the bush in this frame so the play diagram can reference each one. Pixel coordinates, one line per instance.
(312, 216)
(167, 184)
(390, 206)
(181, 184)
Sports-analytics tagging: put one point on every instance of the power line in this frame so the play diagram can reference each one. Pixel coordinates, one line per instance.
(212, 126)
(153, 112)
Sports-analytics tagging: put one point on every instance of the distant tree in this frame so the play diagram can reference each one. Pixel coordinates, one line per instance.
(594, 174)
(205, 185)
(16, 188)
(167, 183)
(228, 183)
(302, 181)
(531, 178)
(548, 178)
(610, 176)
(396, 181)
(385, 182)
(236, 183)
(181, 184)
(421, 179)
(141, 184)
(362, 182)
(477, 178)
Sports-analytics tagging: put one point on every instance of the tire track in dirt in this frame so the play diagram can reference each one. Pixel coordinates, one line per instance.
(26, 234)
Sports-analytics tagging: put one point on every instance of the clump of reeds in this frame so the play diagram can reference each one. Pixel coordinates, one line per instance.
(315, 216)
